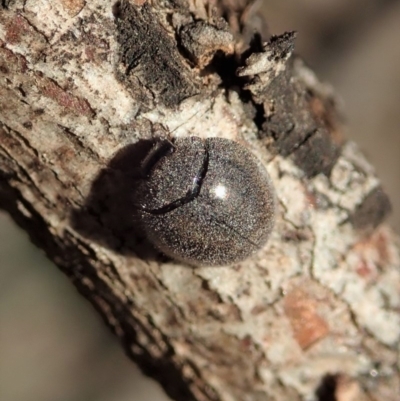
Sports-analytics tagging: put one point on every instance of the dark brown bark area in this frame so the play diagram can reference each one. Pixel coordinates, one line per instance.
(84, 87)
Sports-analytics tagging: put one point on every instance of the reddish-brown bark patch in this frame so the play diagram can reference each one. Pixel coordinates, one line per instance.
(72, 103)
(372, 254)
(16, 29)
(11, 62)
(20, 32)
(308, 327)
(73, 6)
(364, 270)
(258, 309)
(90, 53)
(325, 112)
(380, 241)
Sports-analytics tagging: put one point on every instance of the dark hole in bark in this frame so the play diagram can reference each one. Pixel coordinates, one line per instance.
(326, 390)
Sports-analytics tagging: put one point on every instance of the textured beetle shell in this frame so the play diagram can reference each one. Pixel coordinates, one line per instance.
(207, 202)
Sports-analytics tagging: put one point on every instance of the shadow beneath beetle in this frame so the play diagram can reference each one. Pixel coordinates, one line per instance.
(109, 216)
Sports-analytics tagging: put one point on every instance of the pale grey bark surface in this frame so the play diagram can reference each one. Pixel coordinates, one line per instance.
(317, 310)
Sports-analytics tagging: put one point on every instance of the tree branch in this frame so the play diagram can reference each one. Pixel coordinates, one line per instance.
(86, 86)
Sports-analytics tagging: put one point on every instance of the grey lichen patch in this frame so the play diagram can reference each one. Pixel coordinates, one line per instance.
(372, 211)
(355, 189)
(150, 55)
(317, 154)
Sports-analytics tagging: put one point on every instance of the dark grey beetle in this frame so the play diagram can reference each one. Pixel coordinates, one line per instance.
(205, 202)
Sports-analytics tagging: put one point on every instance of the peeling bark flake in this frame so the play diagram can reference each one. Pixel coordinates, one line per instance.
(147, 50)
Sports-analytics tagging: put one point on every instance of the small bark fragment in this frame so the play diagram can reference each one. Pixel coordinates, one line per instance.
(308, 326)
(202, 41)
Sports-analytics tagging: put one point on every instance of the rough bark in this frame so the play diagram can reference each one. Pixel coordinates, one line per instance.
(84, 87)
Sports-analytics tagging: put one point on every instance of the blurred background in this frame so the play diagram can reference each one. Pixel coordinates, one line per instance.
(53, 347)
